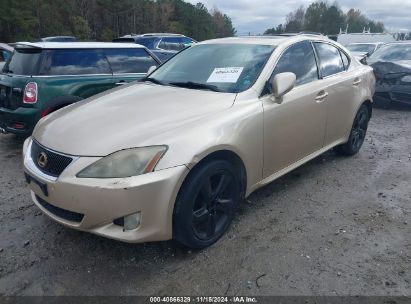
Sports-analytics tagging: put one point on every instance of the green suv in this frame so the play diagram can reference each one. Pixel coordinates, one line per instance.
(40, 78)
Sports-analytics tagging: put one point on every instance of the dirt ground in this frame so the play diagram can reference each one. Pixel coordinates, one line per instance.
(335, 226)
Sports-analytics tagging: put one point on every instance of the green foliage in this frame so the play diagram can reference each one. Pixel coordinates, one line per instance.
(328, 19)
(106, 19)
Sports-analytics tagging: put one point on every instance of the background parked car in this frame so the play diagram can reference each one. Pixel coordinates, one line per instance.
(392, 69)
(162, 45)
(58, 39)
(41, 78)
(362, 51)
(346, 39)
(5, 52)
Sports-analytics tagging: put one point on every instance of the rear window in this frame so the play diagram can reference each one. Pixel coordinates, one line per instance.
(74, 62)
(23, 62)
(130, 60)
(148, 42)
(124, 40)
(171, 44)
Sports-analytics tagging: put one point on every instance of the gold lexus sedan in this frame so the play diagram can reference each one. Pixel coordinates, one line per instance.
(172, 156)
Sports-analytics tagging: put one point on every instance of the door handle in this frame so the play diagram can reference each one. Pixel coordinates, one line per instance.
(357, 81)
(321, 96)
(120, 83)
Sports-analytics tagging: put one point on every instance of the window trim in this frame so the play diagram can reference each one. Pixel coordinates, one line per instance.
(319, 59)
(266, 85)
(89, 75)
(74, 49)
(155, 59)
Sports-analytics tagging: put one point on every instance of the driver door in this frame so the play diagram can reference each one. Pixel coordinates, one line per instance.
(294, 128)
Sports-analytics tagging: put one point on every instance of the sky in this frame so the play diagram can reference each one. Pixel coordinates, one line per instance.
(256, 16)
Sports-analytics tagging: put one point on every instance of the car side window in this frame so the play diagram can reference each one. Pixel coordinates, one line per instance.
(171, 44)
(186, 41)
(330, 59)
(74, 62)
(300, 60)
(345, 59)
(132, 60)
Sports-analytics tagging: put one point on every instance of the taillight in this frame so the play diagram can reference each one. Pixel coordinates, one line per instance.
(30, 93)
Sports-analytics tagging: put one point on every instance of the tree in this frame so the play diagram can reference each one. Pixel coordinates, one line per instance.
(277, 30)
(105, 19)
(327, 19)
(295, 20)
(314, 17)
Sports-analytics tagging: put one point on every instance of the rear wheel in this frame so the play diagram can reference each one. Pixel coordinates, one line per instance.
(206, 204)
(357, 135)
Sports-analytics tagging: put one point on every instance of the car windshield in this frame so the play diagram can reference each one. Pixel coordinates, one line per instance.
(392, 52)
(23, 62)
(366, 48)
(230, 68)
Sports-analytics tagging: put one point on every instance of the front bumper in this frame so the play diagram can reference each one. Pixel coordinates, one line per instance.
(26, 117)
(96, 203)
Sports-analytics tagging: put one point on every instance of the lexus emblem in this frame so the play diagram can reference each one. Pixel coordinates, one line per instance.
(42, 159)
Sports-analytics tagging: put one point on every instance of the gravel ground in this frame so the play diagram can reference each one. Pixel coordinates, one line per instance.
(335, 226)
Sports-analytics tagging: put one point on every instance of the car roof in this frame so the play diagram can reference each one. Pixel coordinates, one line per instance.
(51, 37)
(268, 40)
(366, 43)
(76, 45)
(150, 35)
(399, 42)
(6, 47)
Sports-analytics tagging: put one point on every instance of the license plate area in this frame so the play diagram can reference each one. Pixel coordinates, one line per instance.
(42, 186)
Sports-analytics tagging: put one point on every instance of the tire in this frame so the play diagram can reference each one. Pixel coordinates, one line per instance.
(206, 204)
(357, 134)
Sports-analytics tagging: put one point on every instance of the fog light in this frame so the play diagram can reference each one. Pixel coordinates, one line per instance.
(132, 221)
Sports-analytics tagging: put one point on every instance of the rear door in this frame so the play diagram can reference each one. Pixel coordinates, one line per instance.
(343, 87)
(129, 64)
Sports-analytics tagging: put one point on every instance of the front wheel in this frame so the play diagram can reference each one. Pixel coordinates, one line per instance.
(206, 204)
(357, 135)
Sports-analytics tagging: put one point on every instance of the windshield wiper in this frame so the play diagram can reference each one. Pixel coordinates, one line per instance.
(195, 85)
(153, 80)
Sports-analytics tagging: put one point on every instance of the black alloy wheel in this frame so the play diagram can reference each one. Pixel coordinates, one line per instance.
(358, 132)
(206, 204)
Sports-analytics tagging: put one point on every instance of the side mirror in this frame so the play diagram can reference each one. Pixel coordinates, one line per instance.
(282, 84)
(151, 69)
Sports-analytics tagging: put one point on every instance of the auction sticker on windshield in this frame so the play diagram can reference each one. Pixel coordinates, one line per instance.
(228, 75)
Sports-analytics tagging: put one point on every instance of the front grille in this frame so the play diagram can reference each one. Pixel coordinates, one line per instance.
(55, 163)
(60, 212)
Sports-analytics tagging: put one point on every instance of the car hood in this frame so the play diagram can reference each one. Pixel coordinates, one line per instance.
(383, 68)
(134, 116)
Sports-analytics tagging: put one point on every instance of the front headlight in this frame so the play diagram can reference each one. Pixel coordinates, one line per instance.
(125, 163)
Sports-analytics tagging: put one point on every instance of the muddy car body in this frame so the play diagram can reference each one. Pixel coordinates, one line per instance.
(211, 125)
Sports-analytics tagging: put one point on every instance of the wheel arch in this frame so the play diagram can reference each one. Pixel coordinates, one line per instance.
(368, 104)
(222, 154)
